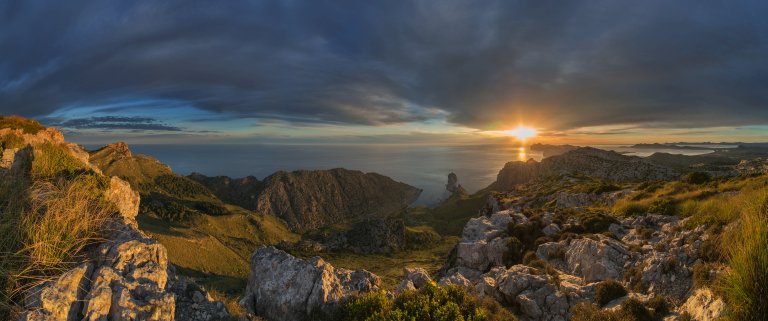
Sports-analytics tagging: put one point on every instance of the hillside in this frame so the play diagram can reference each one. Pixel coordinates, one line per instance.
(584, 161)
(308, 200)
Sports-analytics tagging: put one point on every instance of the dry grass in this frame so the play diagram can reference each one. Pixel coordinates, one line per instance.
(29, 126)
(46, 225)
(745, 283)
(53, 160)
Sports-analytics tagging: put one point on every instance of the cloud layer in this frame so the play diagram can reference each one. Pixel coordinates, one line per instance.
(481, 64)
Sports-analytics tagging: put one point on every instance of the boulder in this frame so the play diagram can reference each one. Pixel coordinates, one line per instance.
(704, 305)
(283, 287)
(596, 260)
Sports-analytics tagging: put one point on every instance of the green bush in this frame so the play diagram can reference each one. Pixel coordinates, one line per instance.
(608, 290)
(181, 186)
(628, 209)
(663, 206)
(697, 178)
(514, 253)
(450, 303)
(420, 237)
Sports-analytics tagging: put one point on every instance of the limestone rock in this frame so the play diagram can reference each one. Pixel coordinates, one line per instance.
(61, 299)
(125, 199)
(418, 276)
(704, 305)
(283, 287)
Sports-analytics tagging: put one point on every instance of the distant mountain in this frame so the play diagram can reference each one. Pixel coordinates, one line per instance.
(584, 161)
(308, 200)
(669, 146)
(685, 163)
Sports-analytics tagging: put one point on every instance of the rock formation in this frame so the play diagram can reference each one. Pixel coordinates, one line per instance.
(453, 183)
(651, 252)
(308, 200)
(125, 277)
(285, 288)
(585, 161)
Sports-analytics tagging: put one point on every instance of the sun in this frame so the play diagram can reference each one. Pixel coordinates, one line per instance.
(522, 132)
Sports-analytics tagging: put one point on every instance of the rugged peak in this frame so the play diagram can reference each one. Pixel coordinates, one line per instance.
(115, 150)
(587, 161)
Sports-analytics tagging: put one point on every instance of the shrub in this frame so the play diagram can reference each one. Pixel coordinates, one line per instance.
(11, 141)
(659, 307)
(745, 284)
(418, 237)
(627, 209)
(428, 303)
(697, 178)
(527, 233)
(29, 126)
(631, 310)
(608, 290)
(685, 316)
(663, 206)
(594, 222)
(514, 252)
(634, 278)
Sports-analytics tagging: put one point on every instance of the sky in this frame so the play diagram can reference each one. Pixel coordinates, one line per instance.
(421, 72)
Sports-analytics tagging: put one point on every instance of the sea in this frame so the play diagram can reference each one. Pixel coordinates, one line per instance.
(426, 167)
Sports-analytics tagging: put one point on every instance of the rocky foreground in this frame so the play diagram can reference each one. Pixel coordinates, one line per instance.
(125, 277)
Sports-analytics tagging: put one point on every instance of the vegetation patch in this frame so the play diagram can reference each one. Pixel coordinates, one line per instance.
(449, 303)
(609, 290)
(46, 225)
(745, 284)
(53, 160)
(631, 310)
(29, 126)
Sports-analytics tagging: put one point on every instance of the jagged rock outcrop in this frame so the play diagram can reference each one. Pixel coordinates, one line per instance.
(125, 277)
(129, 278)
(308, 200)
(654, 253)
(282, 287)
(586, 161)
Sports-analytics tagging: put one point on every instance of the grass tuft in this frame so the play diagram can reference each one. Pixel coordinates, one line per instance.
(53, 160)
(46, 225)
(745, 284)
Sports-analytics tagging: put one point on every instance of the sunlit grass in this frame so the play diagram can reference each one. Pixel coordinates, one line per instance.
(745, 283)
(45, 227)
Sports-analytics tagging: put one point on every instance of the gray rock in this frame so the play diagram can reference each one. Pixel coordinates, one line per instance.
(283, 287)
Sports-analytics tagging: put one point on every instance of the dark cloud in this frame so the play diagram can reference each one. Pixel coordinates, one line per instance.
(482, 63)
(112, 122)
